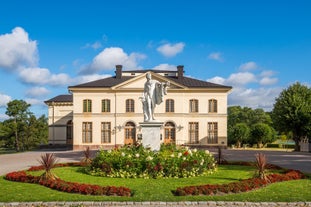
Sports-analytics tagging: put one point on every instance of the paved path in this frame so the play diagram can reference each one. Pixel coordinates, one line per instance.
(292, 160)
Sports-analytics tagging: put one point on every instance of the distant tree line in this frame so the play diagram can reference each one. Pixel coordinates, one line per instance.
(290, 118)
(23, 130)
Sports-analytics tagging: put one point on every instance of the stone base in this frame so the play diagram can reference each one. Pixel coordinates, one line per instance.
(151, 135)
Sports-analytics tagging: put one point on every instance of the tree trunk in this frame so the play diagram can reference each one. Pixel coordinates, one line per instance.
(297, 146)
(16, 137)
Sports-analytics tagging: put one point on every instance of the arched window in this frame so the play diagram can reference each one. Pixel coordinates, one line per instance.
(169, 105)
(87, 105)
(169, 133)
(105, 105)
(129, 105)
(194, 105)
(212, 105)
(130, 133)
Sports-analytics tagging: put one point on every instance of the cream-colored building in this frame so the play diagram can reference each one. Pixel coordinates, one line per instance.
(107, 112)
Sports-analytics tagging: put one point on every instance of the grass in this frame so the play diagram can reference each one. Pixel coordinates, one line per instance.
(157, 189)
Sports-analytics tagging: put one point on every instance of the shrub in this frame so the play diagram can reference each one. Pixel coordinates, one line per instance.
(137, 161)
(48, 161)
(261, 164)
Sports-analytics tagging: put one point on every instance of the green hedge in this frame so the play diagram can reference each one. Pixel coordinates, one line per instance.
(287, 146)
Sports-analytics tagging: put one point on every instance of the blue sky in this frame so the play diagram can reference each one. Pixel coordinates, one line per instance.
(259, 47)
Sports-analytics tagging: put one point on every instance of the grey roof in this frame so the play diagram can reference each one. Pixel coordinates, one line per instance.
(186, 81)
(60, 98)
(103, 83)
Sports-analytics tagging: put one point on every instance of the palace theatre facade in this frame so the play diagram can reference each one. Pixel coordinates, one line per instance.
(106, 113)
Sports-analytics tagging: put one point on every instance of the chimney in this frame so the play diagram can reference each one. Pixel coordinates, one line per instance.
(118, 71)
(180, 71)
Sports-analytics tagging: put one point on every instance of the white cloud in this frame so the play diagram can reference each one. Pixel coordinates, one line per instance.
(254, 98)
(170, 50)
(217, 80)
(17, 50)
(268, 81)
(96, 45)
(3, 117)
(89, 78)
(36, 92)
(110, 57)
(34, 101)
(241, 78)
(248, 66)
(215, 56)
(165, 66)
(42, 76)
(4, 99)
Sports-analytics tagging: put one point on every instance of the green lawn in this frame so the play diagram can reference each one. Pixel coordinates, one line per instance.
(157, 189)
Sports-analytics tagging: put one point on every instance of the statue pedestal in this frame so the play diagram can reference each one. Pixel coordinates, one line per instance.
(151, 135)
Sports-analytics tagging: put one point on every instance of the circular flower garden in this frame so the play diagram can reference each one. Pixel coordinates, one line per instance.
(139, 162)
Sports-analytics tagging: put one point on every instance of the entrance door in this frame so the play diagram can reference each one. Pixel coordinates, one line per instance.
(130, 133)
(169, 133)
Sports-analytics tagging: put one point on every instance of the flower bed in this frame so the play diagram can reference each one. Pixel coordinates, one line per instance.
(139, 162)
(237, 187)
(69, 187)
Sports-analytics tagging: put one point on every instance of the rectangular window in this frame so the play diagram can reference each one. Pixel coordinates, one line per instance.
(106, 132)
(106, 105)
(212, 133)
(194, 132)
(87, 132)
(129, 105)
(87, 105)
(194, 105)
(169, 105)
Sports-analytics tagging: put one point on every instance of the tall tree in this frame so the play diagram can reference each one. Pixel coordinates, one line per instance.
(261, 134)
(18, 110)
(292, 112)
(239, 134)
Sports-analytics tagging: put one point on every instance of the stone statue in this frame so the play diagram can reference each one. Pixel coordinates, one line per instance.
(152, 96)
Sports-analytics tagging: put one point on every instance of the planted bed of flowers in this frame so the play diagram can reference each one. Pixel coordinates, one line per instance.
(237, 187)
(69, 187)
(139, 162)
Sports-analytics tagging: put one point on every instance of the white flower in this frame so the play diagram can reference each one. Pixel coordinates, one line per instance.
(149, 158)
(137, 155)
(122, 154)
(129, 156)
(206, 151)
(195, 150)
(184, 158)
(109, 151)
(179, 155)
(172, 155)
(186, 148)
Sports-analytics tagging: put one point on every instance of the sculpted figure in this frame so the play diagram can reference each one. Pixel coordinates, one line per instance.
(152, 96)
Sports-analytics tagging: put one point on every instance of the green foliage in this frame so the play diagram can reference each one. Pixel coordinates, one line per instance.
(262, 134)
(23, 131)
(240, 133)
(137, 161)
(239, 119)
(292, 112)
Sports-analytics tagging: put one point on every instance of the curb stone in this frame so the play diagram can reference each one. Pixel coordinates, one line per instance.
(154, 204)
